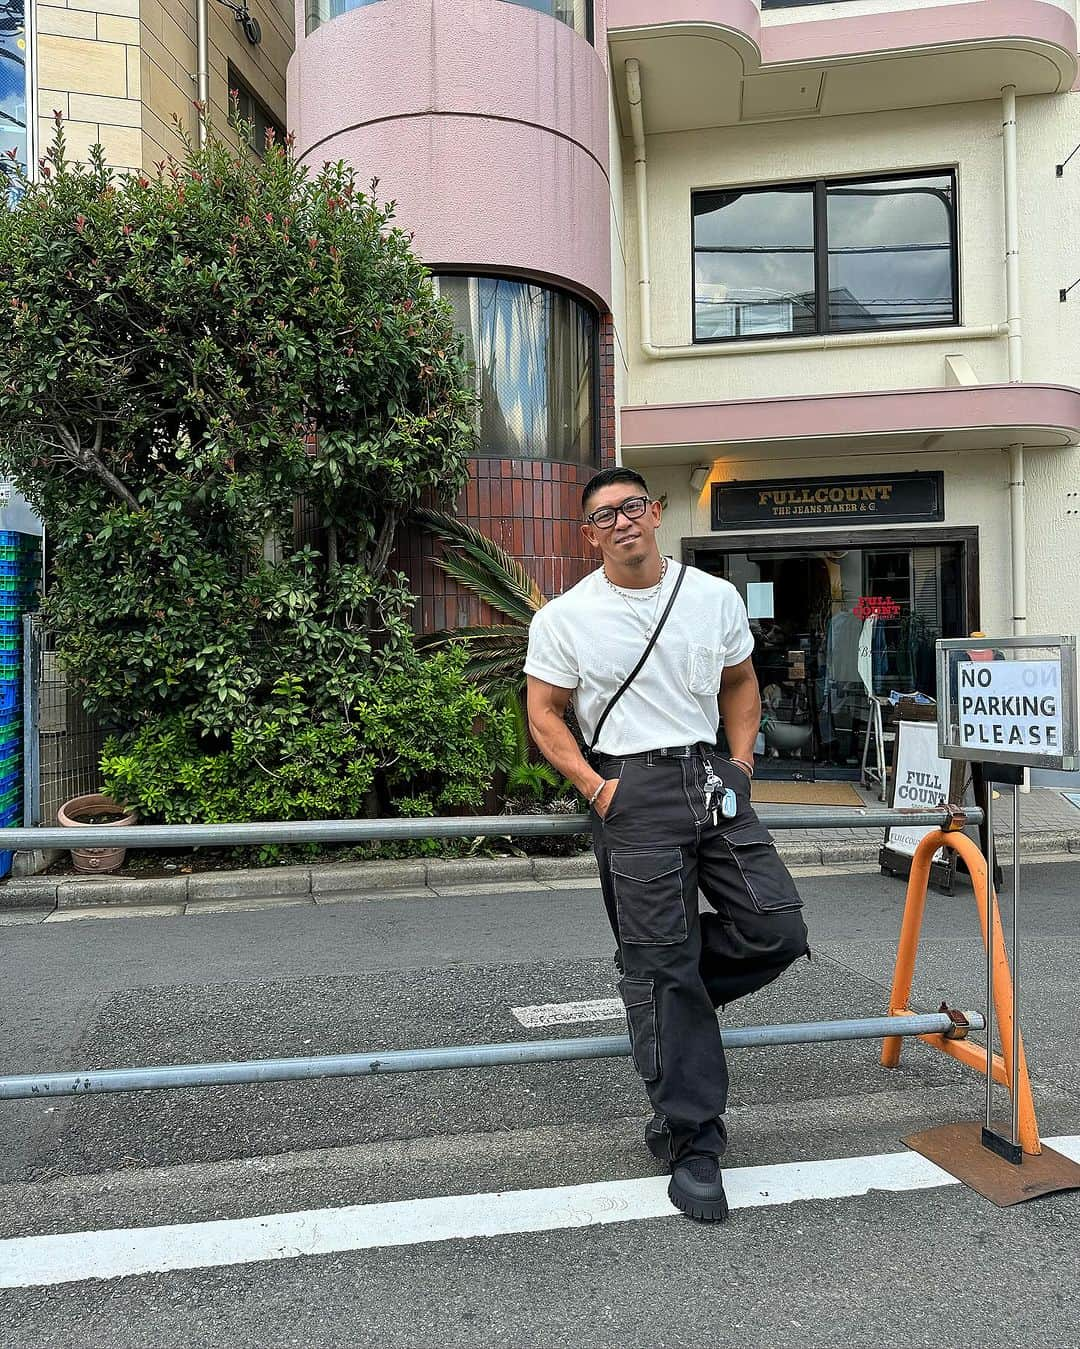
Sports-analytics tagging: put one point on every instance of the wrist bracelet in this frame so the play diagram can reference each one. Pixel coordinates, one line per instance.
(743, 764)
(603, 784)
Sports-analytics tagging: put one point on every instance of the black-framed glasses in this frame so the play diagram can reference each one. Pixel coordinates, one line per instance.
(633, 508)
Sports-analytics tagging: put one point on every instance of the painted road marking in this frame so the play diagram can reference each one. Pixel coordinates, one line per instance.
(565, 1013)
(35, 1261)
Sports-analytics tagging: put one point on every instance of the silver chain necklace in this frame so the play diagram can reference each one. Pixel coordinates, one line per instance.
(633, 605)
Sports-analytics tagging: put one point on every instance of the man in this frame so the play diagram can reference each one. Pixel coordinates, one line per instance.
(670, 814)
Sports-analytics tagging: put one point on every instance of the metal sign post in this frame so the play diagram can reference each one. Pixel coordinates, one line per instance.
(1008, 703)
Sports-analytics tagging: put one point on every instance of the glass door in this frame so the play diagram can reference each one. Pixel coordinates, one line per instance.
(831, 627)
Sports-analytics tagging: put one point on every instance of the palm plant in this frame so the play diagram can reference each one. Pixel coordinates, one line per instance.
(496, 652)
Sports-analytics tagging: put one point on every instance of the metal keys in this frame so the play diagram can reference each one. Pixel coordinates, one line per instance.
(720, 801)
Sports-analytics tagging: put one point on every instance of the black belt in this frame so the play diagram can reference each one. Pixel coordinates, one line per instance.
(668, 752)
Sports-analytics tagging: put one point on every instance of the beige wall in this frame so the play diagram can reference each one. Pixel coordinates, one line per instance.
(168, 65)
(965, 136)
(119, 70)
(88, 68)
(969, 138)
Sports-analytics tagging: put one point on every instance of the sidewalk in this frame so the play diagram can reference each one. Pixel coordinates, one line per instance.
(1050, 824)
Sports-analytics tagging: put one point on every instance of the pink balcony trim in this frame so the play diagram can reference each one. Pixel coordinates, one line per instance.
(816, 40)
(989, 406)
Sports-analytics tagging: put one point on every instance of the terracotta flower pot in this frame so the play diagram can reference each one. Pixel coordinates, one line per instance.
(80, 812)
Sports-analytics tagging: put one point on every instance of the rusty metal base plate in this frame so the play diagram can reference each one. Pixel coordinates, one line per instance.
(958, 1149)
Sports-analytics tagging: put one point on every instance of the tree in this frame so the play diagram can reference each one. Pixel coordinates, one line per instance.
(191, 353)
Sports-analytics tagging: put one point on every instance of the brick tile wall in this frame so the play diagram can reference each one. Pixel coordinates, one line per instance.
(532, 508)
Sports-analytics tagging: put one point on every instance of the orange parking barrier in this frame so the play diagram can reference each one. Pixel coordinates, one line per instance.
(974, 1056)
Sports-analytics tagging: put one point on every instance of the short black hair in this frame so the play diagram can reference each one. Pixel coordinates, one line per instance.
(607, 477)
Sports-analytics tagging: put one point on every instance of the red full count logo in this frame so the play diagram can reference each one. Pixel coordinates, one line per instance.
(875, 606)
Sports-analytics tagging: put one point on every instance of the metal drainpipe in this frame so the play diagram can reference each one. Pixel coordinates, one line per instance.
(1017, 521)
(202, 68)
(637, 126)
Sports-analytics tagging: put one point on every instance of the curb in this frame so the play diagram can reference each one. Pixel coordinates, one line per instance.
(335, 881)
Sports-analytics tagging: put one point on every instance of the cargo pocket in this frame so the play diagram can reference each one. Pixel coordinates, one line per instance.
(769, 886)
(648, 896)
(637, 996)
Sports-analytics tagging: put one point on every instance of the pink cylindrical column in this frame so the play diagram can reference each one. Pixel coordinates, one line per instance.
(486, 121)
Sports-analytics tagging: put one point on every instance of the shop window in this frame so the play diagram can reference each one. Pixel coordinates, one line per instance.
(827, 256)
(249, 109)
(534, 353)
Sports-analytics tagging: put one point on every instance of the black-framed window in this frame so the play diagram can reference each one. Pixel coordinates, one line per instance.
(534, 351)
(254, 113)
(829, 256)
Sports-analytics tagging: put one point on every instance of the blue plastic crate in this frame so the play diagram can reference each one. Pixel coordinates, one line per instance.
(10, 695)
(6, 856)
(12, 817)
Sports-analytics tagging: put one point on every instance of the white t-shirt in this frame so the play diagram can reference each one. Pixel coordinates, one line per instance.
(591, 638)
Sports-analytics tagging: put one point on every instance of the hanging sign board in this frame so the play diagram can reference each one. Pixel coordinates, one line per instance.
(1009, 700)
(792, 503)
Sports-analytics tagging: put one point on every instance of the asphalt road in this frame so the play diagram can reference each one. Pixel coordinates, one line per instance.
(915, 1267)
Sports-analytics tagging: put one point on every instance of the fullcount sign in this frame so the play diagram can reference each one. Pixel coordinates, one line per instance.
(1010, 705)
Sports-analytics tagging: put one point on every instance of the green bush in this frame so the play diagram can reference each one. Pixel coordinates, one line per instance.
(170, 343)
(420, 740)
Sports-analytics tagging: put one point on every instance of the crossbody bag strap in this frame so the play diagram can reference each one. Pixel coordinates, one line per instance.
(637, 668)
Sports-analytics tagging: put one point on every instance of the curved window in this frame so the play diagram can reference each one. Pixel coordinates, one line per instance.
(577, 14)
(534, 353)
(322, 11)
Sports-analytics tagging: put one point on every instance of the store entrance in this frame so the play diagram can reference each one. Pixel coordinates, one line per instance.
(834, 623)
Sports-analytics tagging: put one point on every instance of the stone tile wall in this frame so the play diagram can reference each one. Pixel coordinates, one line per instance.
(120, 71)
(88, 68)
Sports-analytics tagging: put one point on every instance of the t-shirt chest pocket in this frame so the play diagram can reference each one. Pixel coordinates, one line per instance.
(705, 665)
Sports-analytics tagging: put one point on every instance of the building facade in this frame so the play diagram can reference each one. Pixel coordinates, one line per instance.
(124, 73)
(821, 252)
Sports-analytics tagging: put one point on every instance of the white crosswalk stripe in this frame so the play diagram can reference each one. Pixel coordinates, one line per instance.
(70, 1257)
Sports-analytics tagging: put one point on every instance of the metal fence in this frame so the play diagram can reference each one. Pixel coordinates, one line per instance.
(26, 1085)
(61, 742)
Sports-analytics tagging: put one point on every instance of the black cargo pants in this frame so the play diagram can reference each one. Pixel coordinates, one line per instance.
(656, 846)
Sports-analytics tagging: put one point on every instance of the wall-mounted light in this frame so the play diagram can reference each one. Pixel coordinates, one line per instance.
(247, 21)
(699, 476)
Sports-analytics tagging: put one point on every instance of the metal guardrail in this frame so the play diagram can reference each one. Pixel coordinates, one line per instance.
(454, 1056)
(24, 1086)
(456, 826)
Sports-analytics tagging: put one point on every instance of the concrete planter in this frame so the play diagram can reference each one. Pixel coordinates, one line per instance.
(79, 811)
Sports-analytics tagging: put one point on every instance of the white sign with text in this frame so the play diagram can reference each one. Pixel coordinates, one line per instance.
(1010, 705)
(921, 783)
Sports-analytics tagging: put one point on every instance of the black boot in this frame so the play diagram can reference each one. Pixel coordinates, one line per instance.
(698, 1189)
